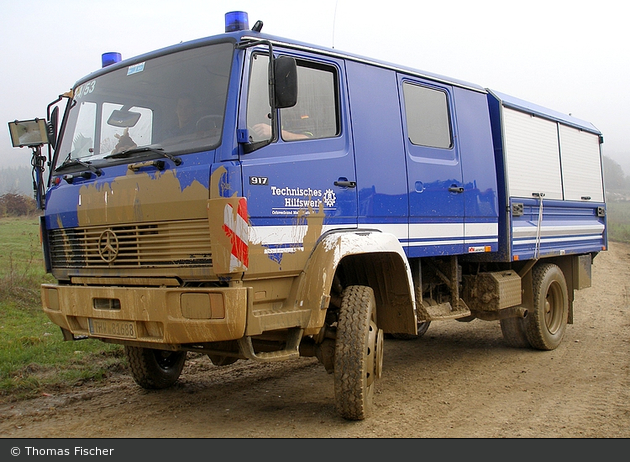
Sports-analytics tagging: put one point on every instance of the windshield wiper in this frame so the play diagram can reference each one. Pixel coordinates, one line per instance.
(72, 162)
(129, 152)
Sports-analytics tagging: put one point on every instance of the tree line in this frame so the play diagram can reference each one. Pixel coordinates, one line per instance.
(614, 177)
(16, 180)
(17, 205)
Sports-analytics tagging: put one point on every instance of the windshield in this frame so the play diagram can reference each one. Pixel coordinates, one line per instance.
(175, 102)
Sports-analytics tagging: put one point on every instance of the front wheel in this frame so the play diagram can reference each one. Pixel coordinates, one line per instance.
(155, 369)
(358, 353)
(546, 324)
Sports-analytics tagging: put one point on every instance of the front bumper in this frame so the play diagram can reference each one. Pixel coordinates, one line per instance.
(150, 315)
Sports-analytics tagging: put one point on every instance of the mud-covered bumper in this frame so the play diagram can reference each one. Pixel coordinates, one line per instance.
(156, 315)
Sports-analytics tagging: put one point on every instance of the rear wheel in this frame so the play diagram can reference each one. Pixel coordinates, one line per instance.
(155, 369)
(358, 353)
(546, 323)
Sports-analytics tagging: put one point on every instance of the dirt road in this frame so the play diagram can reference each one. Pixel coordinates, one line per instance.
(458, 381)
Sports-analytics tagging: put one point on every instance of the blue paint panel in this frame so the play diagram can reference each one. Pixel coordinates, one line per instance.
(433, 248)
(566, 228)
(494, 107)
(477, 156)
(301, 174)
(61, 206)
(62, 201)
(229, 183)
(194, 168)
(378, 145)
(434, 175)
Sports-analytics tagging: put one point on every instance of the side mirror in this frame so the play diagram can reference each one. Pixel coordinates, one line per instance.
(52, 127)
(285, 74)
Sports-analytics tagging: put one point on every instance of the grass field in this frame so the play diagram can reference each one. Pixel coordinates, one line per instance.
(618, 221)
(34, 359)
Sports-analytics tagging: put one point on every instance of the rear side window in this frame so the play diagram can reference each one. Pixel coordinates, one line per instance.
(428, 119)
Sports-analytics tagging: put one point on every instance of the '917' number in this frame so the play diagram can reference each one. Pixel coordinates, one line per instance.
(258, 180)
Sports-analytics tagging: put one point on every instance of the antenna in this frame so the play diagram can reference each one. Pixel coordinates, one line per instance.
(334, 23)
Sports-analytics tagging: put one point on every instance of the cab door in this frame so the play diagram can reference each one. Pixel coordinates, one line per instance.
(303, 182)
(436, 190)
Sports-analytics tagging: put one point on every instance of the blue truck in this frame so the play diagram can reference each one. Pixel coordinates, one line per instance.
(246, 196)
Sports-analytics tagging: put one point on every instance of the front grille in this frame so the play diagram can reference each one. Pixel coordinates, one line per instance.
(146, 245)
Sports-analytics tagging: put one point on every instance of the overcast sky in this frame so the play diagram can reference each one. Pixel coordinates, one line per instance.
(569, 55)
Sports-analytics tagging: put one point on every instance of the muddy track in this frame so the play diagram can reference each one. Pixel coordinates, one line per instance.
(458, 381)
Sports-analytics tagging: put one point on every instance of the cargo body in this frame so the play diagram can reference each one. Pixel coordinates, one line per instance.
(319, 203)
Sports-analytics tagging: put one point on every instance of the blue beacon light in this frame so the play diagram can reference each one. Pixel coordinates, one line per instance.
(110, 58)
(236, 20)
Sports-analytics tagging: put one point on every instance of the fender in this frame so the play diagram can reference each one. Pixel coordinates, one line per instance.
(366, 257)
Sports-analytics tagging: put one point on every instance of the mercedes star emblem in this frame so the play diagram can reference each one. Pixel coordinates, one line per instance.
(108, 246)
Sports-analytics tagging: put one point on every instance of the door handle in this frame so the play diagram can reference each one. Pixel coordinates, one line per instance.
(456, 189)
(343, 183)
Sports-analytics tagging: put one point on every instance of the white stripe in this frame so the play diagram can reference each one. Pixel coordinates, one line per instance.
(242, 228)
(235, 264)
(434, 243)
(448, 233)
(520, 232)
(558, 239)
(481, 241)
(429, 230)
(399, 230)
(282, 235)
(481, 229)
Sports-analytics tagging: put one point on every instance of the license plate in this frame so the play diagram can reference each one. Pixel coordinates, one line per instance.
(110, 328)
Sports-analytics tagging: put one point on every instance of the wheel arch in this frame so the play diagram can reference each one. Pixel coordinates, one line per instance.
(566, 265)
(357, 257)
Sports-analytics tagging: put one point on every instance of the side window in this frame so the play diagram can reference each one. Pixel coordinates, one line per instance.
(258, 108)
(316, 113)
(84, 132)
(428, 120)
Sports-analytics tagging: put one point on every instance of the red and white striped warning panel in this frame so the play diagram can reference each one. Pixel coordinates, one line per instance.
(236, 228)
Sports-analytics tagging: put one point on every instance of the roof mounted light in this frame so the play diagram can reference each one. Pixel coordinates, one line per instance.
(235, 21)
(110, 58)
